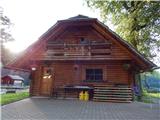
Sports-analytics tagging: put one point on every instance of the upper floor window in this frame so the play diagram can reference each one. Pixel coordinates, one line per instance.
(83, 41)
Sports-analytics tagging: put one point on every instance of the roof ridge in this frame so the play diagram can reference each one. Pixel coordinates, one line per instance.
(79, 16)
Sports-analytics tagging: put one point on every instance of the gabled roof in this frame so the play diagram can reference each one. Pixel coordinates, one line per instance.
(129, 46)
(78, 17)
(15, 77)
(61, 24)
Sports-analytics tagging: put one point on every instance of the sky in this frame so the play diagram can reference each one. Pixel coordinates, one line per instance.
(31, 18)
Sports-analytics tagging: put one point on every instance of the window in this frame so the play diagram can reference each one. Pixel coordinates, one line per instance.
(83, 41)
(47, 72)
(94, 74)
(17, 83)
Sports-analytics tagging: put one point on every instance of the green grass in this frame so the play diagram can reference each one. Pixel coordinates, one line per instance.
(147, 97)
(12, 97)
(154, 95)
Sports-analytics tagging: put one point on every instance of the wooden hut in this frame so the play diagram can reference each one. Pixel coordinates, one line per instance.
(12, 80)
(81, 52)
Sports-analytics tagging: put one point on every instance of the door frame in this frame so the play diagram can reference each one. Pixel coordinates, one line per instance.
(52, 80)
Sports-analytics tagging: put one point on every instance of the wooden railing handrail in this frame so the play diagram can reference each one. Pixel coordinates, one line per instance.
(85, 44)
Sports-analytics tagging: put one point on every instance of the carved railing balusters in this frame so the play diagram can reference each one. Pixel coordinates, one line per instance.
(79, 50)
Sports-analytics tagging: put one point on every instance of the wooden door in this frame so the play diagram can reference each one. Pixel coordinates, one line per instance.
(47, 81)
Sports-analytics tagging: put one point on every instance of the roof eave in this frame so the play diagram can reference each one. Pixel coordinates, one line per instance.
(125, 43)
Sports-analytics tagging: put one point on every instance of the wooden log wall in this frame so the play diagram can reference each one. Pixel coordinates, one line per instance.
(65, 73)
(73, 35)
(75, 74)
(112, 73)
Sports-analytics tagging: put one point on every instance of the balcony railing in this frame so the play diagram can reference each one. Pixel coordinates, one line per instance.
(79, 50)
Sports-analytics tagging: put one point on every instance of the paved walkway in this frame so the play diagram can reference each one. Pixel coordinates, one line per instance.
(50, 109)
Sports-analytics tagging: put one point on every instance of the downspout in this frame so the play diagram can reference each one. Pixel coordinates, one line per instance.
(140, 87)
(32, 83)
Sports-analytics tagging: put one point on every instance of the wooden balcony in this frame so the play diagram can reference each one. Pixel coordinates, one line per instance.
(67, 51)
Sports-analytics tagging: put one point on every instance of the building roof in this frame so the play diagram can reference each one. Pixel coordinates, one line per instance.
(15, 77)
(79, 17)
(129, 46)
(84, 19)
(124, 42)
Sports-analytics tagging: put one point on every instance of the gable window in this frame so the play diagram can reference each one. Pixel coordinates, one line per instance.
(94, 75)
(83, 41)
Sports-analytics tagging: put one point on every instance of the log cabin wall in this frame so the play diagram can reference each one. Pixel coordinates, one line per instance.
(73, 74)
(73, 35)
(66, 74)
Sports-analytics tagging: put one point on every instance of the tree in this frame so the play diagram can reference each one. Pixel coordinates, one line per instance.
(5, 24)
(6, 56)
(138, 22)
(5, 36)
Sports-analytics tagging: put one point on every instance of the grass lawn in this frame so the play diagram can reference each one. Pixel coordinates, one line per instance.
(12, 97)
(154, 95)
